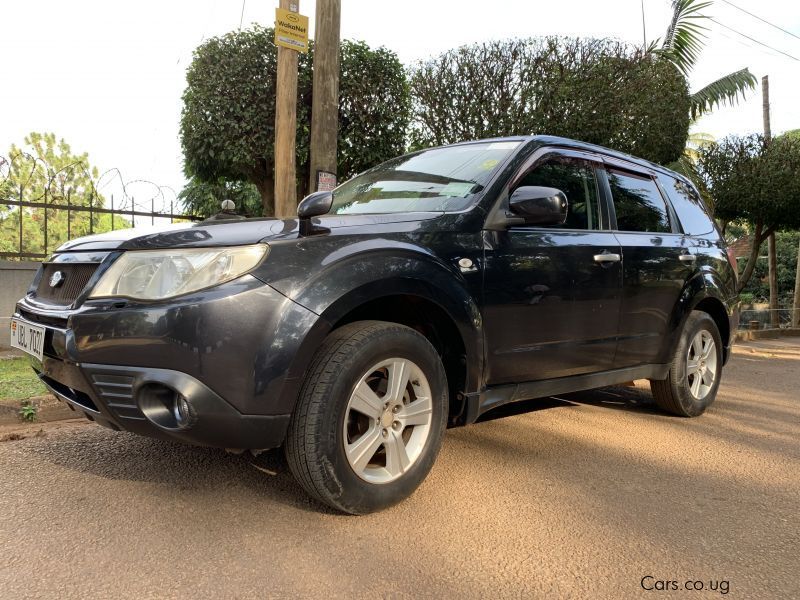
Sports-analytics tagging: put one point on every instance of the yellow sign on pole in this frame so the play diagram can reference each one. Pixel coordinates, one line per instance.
(291, 30)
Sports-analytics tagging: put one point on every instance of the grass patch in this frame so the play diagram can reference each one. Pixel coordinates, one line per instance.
(18, 381)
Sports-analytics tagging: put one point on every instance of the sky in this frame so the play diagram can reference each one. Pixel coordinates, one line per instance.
(108, 76)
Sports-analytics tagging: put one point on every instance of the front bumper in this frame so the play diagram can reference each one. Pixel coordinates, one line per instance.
(236, 352)
(120, 398)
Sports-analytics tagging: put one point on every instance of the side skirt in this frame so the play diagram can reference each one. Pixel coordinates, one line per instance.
(492, 397)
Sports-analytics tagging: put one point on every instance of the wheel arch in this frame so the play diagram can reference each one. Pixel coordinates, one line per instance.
(705, 292)
(716, 310)
(432, 320)
(449, 319)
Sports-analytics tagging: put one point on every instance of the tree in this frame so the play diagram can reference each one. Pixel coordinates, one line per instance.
(599, 91)
(374, 108)
(787, 254)
(47, 170)
(228, 117)
(795, 134)
(754, 182)
(683, 44)
(203, 198)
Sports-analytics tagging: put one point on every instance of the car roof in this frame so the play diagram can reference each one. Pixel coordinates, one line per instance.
(554, 140)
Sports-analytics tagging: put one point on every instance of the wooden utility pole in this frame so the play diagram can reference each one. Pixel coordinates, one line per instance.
(765, 107)
(644, 30)
(796, 307)
(286, 126)
(772, 258)
(325, 99)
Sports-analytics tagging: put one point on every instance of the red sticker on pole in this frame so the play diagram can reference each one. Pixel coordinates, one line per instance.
(326, 181)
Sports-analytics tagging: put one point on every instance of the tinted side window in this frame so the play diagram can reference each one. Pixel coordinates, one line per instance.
(638, 203)
(688, 206)
(577, 180)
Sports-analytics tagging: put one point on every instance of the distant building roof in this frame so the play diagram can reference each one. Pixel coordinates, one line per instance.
(742, 247)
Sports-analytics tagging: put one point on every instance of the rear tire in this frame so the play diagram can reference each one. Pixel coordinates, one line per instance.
(370, 417)
(695, 371)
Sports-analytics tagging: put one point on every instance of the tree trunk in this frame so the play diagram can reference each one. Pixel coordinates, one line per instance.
(774, 317)
(796, 311)
(758, 239)
(266, 187)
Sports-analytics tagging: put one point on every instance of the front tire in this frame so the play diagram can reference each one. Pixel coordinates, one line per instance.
(370, 417)
(696, 369)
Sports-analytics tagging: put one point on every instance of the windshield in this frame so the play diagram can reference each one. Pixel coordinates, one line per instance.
(441, 179)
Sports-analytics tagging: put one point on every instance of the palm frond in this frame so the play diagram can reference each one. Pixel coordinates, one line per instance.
(726, 90)
(695, 142)
(700, 138)
(653, 46)
(685, 35)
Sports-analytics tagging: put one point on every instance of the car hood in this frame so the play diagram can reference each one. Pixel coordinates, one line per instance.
(232, 232)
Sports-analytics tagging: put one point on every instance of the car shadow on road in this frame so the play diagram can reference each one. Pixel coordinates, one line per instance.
(625, 398)
(181, 470)
(190, 470)
(523, 407)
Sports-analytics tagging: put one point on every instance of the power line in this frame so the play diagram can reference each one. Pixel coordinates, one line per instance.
(747, 45)
(744, 35)
(778, 27)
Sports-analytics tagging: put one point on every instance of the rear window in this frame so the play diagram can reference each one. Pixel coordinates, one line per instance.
(638, 203)
(688, 206)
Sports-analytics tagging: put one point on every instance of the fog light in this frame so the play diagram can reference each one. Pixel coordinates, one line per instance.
(181, 411)
(166, 407)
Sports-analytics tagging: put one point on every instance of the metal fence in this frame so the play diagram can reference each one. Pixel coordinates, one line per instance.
(41, 206)
(762, 318)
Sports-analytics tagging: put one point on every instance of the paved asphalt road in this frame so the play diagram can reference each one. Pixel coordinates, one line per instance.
(581, 496)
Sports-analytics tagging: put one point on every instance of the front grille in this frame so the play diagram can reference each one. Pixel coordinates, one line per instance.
(76, 276)
(59, 322)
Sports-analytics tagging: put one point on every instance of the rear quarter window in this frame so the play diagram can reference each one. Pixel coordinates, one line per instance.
(688, 205)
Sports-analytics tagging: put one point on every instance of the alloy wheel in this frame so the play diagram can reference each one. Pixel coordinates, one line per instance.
(701, 364)
(387, 420)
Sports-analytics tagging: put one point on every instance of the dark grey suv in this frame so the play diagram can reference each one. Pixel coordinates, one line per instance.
(419, 295)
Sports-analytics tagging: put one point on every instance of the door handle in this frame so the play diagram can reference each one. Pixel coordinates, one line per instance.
(687, 258)
(607, 257)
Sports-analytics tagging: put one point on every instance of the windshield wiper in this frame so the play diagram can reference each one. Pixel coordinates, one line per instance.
(418, 176)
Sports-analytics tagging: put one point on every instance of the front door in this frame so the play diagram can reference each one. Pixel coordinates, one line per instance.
(552, 294)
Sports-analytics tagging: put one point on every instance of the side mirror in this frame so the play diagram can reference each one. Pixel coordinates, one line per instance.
(539, 205)
(314, 205)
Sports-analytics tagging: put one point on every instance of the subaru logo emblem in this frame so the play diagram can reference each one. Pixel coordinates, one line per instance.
(56, 279)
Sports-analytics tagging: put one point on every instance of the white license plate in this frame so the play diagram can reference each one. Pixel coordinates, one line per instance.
(27, 337)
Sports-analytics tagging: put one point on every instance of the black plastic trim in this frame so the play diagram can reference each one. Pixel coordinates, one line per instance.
(496, 396)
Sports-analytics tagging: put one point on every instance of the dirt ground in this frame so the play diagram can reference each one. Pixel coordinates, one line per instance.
(590, 495)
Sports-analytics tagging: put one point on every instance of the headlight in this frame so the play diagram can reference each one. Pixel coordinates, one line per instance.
(159, 274)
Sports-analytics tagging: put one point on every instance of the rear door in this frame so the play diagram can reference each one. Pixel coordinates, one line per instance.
(552, 294)
(656, 259)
